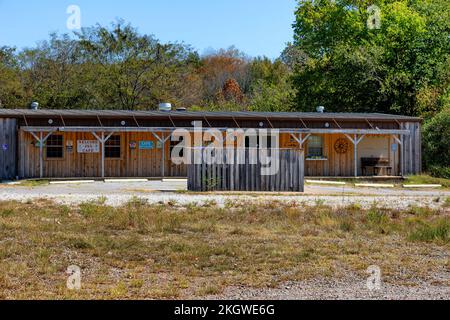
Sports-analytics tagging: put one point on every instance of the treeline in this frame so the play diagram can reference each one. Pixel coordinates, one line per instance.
(117, 68)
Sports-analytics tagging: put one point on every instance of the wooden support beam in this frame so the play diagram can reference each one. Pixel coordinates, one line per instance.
(41, 155)
(398, 140)
(41, 139)
(62, 120)
(270, 123)
(356, 141)
(301, 141)
(173, 123)
(370, 124)
(100, 121)
(102, 139)
(304, 124)
(163, 141)
(234, 119)
(135, 120)
(338, 125)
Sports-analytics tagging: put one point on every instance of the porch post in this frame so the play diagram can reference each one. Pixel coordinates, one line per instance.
(41, 155)
(103, 154)
(102, 139)
(163, 166)
(356, 154)
(402, 163)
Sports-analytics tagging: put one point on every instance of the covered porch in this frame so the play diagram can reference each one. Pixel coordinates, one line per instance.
(328, 152)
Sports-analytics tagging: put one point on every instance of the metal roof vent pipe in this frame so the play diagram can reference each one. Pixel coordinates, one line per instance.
(320, 109)
(34, 105)
(181, 109)
(166, 107)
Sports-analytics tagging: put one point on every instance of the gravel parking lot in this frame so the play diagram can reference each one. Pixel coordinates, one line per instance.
(119, 193)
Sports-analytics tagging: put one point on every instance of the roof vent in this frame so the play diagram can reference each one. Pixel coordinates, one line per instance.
(34, 105)
(181, 109)
(320, 109)
(165, 107)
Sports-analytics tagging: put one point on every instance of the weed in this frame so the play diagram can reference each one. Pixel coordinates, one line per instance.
(438, 231)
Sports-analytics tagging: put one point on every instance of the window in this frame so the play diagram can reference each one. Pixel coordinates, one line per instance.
(315, 147)
(55, 147)
(259, 144)
(112, 148)
(174, 144)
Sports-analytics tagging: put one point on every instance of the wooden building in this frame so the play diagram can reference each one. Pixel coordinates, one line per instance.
(100, 144)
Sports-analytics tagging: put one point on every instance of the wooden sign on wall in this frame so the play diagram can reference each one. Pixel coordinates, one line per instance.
(88, 146)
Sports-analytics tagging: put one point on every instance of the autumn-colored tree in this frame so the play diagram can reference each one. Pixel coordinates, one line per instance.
(222, 65)
(231, 92)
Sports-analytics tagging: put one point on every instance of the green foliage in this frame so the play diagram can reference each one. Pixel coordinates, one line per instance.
(272, 89)
(401, 67)
(436, 143)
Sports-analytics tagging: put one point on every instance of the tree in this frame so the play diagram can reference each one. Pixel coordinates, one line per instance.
(135, 71)
(11, 90)
(55, 75)
(271, 88)
(218, 67)
(436, 142)
(231, 92)
(397, 65)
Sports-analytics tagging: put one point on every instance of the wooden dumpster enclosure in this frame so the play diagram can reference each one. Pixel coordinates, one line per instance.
(232, 176)
(52, 144)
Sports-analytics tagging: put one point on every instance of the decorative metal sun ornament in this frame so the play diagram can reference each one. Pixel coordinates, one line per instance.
(341, 146)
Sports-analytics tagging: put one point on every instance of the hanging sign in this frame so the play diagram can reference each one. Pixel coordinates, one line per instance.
(146, 145)
(394, 147)
(88, 146)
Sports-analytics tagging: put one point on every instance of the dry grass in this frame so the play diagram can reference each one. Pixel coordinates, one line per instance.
(143, 251)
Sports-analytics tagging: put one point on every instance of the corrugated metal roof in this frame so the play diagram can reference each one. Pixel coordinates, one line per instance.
(18, 113)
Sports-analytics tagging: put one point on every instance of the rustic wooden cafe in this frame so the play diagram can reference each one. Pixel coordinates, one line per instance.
(92, 144)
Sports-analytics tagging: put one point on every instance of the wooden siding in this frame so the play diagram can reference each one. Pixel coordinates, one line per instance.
(412, 149)
(8, 148)
(232, 176)
(133, 163)
(148, 163)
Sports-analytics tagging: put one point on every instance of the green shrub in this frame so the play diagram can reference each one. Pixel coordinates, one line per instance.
(436, 144)
(439, 172)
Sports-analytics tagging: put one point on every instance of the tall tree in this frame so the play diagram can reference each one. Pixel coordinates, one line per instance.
(11, 89)
(135, 71)
(359, 58)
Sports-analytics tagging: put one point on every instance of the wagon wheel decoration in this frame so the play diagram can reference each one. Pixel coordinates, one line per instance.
(341, 146)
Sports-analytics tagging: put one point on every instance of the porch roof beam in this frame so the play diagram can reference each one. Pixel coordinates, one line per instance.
(168, 130)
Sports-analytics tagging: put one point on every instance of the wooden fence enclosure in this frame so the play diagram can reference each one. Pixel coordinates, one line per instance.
(232, 176)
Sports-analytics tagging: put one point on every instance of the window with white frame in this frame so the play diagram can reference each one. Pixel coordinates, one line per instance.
(315, 147)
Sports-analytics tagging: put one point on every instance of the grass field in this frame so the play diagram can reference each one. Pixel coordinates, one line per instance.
(167, 251)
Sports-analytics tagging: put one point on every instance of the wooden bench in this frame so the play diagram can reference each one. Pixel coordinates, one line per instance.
(377, 164)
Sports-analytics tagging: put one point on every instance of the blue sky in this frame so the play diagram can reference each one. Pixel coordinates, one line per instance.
(257, 27)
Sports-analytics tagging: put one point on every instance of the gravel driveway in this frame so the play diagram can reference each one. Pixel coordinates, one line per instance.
(119, 193)
(350, 288)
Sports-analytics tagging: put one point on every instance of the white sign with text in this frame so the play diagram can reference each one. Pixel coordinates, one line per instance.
(88, 146)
